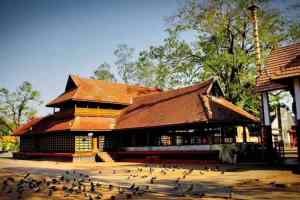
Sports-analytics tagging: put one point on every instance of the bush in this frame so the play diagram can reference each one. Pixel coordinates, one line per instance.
(9, 143)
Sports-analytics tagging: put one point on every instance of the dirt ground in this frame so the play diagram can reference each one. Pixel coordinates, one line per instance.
(152, 181)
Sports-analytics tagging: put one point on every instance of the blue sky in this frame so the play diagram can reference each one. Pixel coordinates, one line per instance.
(43, 41)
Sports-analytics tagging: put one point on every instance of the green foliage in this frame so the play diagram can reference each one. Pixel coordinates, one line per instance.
(17, 107)
(225, 42)
(124, 63)
(9, 146)
(169, 65)
(103, 73)
(223, 47)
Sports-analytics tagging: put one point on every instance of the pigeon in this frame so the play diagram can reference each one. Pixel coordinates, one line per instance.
(4, 185)
(54, 181)
(50, 193)
(110, 187)
(131, 187)
(189, 189)
(26, 176)
(112, 197)
(278, 185)
(52, 187)
(92, 188)
(177, 186)
(152, 180)
(36, 189)
(98, 196)
(120, 190)
(11, 179)
(9, 191)
(61, 178)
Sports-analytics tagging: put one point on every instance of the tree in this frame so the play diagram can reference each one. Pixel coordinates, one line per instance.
(124, 63)
(17, 107)
(168, 65)
(103, 73)
(223, 46)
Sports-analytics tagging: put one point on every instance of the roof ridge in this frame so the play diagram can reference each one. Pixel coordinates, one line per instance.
(115, 83)
(181, 93)
(197, 86)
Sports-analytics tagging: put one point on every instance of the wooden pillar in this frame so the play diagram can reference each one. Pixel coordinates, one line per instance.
(173, 139)
(133, 140)
(147, 139)
(222, 135)
(244, 135)
(266, 126)
(297, 111)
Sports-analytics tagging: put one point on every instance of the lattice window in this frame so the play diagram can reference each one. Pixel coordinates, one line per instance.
(179, 140)
(83, 143)
(195, 140)
(108, 143)
(165, 140)
(217, 138)
(57, 143)
(101, 143)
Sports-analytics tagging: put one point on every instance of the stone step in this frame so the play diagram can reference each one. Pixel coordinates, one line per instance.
(105, 157)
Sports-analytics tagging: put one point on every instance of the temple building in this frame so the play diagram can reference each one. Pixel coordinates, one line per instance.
(281, 72)
(100, 120)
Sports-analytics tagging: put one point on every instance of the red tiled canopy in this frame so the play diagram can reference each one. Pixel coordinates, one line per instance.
(90, 90)
(76, 123)
(194, 104)
(200, 103)
(282, 63)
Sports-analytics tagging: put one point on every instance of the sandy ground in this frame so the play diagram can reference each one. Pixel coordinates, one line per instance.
(112, 181)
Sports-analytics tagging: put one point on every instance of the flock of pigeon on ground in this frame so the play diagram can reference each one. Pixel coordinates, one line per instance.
(74, 184)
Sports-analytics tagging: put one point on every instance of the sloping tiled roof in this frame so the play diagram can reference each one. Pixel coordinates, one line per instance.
(76, 123)
(282, 63)
(100, 91)
(194, 104)
(223, 110)
(27, 126)
(182, 106)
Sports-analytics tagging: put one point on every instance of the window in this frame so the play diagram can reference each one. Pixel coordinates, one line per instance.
(179, 140)
(57, 143)
(165, 140)
(83, 143)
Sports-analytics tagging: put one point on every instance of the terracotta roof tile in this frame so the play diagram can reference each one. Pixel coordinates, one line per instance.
(282, 63)
(52, 124)
(194, 104)
(100, 91)
(182, 106)
(26, 127)
(225, 110)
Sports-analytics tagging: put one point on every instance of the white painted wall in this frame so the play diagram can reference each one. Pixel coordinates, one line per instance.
(175, 148)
